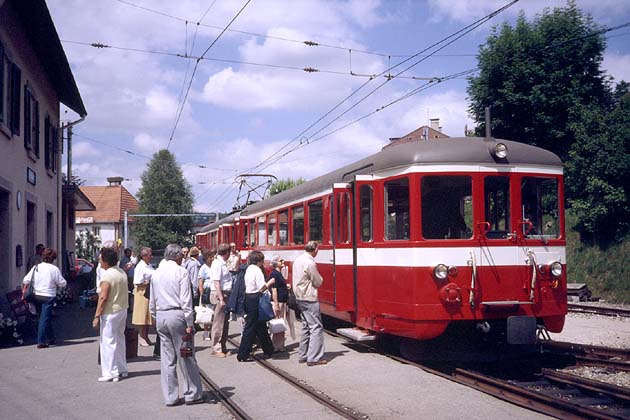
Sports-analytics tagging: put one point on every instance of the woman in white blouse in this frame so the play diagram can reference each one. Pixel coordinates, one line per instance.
(47, 280)
(255, 285)
(142, 282)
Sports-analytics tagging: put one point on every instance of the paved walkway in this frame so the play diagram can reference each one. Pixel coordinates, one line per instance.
(60, 383)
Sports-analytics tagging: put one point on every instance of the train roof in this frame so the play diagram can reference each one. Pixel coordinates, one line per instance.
(454, 150)
(230, 218)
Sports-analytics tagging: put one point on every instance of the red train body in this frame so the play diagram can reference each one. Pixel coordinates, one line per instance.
(424, 234)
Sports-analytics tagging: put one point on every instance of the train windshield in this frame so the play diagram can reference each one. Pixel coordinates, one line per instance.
(447, 207)
(539, 207)
(497, 206)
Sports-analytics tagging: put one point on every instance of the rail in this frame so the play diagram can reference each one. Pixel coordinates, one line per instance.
(224, 398)
(598, 310)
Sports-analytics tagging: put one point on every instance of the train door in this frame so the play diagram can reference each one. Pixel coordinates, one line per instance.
(343, 249)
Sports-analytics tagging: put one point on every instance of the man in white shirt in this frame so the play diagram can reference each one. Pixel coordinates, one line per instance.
(306, 281)
(171, 305)
(221, 288)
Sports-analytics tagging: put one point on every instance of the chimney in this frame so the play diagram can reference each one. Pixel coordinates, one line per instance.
(115, 181)
(435, 124)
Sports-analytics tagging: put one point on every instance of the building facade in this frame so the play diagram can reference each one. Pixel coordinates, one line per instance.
(35, 78)
(107, 221)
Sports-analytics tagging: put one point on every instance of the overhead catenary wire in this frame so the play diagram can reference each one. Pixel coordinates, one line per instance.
(456, 35)
(307, 69)
(183, 104)
(277, 38)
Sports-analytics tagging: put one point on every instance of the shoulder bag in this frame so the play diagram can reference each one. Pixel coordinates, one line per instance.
(265, 310)
(29, 295)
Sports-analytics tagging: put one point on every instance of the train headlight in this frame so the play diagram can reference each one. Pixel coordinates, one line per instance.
(555, 268)
(440, 272)
(500, 150)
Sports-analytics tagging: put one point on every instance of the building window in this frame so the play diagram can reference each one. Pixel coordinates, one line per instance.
(365, 200)
(397, 209)
(2, 85)
(315, 220)
(31, 121)
(298, 225)
(446, 207)
(96, 231)
(13, 100)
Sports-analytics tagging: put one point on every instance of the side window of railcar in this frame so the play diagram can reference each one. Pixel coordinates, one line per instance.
(365, 200)
(298, 225)
(446, 207)
(397, 209)
(283, 226)
(271, 229)
(497, 205)
(539, 207)
(315, 220)
(342, 225)
(252, 233)
(262, 232)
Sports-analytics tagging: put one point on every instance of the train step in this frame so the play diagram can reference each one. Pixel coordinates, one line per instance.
(356, 334)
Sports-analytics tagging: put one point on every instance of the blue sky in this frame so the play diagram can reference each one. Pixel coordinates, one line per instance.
(238, 115)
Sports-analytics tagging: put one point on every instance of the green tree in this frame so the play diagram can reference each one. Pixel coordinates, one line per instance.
(164, 191)
(284, 184)
(598, 171)
(533, 76)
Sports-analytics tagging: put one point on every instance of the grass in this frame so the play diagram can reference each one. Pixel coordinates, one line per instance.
(605, 271)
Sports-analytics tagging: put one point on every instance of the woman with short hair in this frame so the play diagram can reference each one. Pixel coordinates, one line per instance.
(47, 280)
(111, 314)
(142, 282)
(254, 286)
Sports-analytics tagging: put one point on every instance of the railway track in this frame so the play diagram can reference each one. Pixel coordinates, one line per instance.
(548, 391)
(598, 310)
(320, 397)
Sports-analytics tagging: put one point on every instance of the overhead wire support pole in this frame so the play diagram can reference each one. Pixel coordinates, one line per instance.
(126, 217)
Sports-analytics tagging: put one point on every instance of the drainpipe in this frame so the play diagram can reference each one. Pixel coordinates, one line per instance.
(61, 232)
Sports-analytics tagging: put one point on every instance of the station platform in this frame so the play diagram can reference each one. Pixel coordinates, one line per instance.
(60, 383)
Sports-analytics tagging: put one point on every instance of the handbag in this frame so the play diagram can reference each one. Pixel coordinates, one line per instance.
(277, 325)
(29, 295)
(147, 291)
(292, 300)
(265, 311)
(204, 315)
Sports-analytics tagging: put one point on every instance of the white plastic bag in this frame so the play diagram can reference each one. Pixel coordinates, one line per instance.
(276, 326)
(204, 315)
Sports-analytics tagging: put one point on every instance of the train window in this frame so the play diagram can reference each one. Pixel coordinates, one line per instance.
(365, 199)
(252, 233)
(497, 205)
(315, 220)
(446, 207)
(343, 218)
(262, 232)
(539, 206)
(397, 209)
(245, 227)
(271, 229)
(283, 226)
(298, 225)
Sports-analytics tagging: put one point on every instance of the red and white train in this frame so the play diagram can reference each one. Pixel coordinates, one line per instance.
(425, 234)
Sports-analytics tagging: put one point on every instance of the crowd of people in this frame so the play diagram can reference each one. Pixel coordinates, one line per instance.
(166, 297)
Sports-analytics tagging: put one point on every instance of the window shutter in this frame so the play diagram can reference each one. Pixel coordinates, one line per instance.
(55, 138)
(35, 118)
(27, 119)
(47, 143)
(16, 83)
(2, 87)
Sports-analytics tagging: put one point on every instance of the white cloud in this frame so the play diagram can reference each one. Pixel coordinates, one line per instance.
(617, 66)
(147, 144)
(83, 150)
(468, 11)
